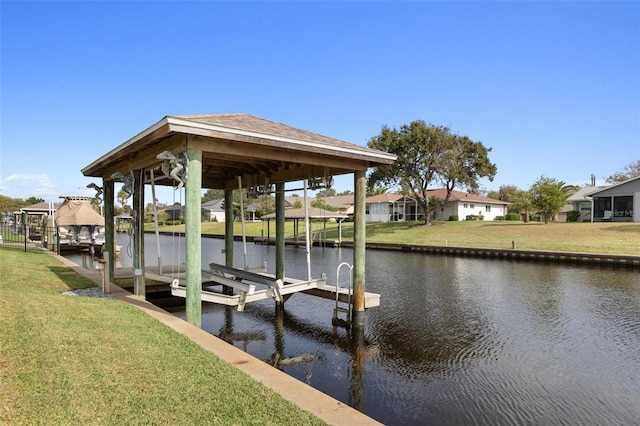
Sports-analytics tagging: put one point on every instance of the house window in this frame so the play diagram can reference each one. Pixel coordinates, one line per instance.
(487, 208)
(623, 206)
(465, 205)
(366, 209)
(472, 206)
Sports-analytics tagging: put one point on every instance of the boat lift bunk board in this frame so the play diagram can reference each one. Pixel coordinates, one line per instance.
(245, 282)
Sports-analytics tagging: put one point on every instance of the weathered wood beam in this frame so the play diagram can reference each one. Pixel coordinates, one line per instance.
(146, 158)
(248, 152)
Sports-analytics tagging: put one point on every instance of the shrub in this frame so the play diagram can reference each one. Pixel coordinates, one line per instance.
(471, 217)
(573, 216)
(454, 218)
(498, 218)
(513, 216)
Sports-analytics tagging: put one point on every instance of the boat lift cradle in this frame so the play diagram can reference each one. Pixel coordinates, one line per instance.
(245, 281)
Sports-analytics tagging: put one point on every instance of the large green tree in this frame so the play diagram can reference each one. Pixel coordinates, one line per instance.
(212, 194)
(548, 196)
(631, 170)
(426, 154)
(9, 204)
(464, 162)
(265, 204)
(507, 193)
(33, 200)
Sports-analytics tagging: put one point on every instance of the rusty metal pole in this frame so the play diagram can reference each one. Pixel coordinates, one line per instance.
(359, 244)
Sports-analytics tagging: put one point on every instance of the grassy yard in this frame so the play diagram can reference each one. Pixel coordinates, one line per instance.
(78, 360)
(618, 238)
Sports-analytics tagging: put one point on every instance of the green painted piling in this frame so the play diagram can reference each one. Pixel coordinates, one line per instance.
(359, 245)
(280, 231)
(193, 255)
(138, 234)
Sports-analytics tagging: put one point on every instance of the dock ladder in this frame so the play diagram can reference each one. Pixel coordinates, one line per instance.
(344, 287)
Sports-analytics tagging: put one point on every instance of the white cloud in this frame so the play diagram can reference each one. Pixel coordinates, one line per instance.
(25, 185)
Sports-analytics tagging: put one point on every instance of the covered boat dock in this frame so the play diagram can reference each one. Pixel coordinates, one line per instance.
(228, 152)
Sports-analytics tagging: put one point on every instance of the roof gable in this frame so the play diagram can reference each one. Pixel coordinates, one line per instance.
(630, 185)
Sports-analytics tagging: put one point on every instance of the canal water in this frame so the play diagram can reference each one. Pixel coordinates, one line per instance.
(456, 341)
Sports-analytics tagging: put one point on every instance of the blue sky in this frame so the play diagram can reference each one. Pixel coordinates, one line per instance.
(552, 87)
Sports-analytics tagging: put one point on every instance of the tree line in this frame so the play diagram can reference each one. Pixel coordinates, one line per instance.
(428, 156)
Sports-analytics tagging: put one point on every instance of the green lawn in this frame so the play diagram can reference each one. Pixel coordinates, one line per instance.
(617, 238)
(79, 360)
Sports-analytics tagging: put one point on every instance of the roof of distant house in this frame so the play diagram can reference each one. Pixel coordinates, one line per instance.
(439, 193)
(583, 193)
(463, 196)
(314, 213)
(384, 198)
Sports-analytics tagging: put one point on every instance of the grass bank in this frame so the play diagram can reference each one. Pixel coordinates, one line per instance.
(78, 360)
(606, 238)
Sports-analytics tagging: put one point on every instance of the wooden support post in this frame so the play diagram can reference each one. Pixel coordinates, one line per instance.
(109, 231)
(193, 243)
(228, 235)
(359, 244)
(138, 234)
(106, 275)
(280, 231)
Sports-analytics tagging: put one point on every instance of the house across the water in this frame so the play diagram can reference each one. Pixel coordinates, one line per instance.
(401, 208)
(617, 203)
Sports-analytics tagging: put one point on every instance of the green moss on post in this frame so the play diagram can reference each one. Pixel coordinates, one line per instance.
(359, 245)
(280, 231)
(139, 287)
(109, 227)
(193, 255)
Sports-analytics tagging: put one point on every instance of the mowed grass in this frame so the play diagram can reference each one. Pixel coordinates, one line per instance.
(79, 360)
(610, 238)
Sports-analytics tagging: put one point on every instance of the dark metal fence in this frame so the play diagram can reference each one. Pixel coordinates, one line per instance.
(25, 237)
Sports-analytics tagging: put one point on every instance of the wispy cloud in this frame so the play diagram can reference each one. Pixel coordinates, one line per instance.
(25, 185)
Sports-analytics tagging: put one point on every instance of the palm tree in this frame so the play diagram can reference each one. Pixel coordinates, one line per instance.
(523, 203)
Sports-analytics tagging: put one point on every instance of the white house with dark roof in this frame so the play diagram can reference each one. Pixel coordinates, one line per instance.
(213, 210)
(400, 208)
(617, 203)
